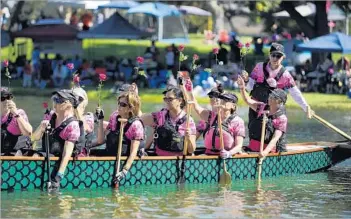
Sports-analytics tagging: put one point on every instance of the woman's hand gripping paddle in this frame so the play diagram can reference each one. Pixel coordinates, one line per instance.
(119, 151)
(225, 178)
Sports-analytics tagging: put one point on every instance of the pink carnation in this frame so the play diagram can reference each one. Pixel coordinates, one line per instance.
(6, 63)
(181, 48)
(188, 85)
(70, 66)
(272, 82)
(247, 45)
(76, 79)
(195, 57)
(215, 50)
(140, 60)
(240, 45)
(102, 77)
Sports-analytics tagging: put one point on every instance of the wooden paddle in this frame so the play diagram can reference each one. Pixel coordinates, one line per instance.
(119, 152)
(47, 158)
(225, 178)
(263, 133)
(186, 140)
(332, 127)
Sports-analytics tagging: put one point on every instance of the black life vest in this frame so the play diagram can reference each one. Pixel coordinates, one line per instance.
(214, 125)
(167, 137)
(260, 92)
(11, 143)
(56, 143)
(112, 138)
(255, 128)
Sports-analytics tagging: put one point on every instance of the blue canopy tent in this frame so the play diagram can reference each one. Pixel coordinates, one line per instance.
(170, 26)
(123, 4)
(334, 42)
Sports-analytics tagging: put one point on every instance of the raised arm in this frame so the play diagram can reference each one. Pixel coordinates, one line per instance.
(252, 103)
(200, 111)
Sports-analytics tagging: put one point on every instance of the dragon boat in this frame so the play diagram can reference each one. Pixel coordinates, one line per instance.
(97, 172)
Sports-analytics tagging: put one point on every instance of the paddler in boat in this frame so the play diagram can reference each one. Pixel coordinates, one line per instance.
(14, 124)
(277, 121)
(203, 125)
(264, 78)
(64, 132)
(88, 121)
(134, 134)
(232, 125)
(169, 125)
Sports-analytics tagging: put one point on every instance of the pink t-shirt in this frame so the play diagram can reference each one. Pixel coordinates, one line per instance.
(135, 131)
(13, 127)
(236, 127)
(70, 133)
(286, 81)
(279, 123)
(161, 117)
(89, 119)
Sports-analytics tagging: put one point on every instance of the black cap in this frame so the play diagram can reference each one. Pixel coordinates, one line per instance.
(229, 97)
(277, 48)
(279, 94)
(68, 95)
(5, 92)
(214, 92)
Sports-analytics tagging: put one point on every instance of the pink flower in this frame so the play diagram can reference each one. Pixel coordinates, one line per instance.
(331, 71)
(70, 66)
(247, 45)
(240, 45)
(181, 48)
(76, 79)
(140, 60)
(195, 57)
(215, 51)
(6, 63)
(45, 105)
(102, 77)
(188, 85)
(272, 82)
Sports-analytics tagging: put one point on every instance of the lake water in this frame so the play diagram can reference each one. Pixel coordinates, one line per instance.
(321, 195)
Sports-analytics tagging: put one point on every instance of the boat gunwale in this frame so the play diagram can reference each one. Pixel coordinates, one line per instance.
(199, 157)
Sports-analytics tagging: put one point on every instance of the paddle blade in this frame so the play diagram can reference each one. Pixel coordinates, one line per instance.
(181, 180)
(225, 178)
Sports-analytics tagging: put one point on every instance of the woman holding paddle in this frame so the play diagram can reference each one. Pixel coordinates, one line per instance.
(232, 126)
(14, 123)
(170, 125)
(132, 131)
(64, 132)
(264, 78)
(275, 128)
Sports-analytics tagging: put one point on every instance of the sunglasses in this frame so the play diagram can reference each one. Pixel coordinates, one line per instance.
(168, 99)
(9, 97)
(122, 104)
(278, 56)
(58, 100)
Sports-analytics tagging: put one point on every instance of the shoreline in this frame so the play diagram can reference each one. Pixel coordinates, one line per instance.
(315, 100)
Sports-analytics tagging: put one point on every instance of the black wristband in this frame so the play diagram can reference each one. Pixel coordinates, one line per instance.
(16, 116)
